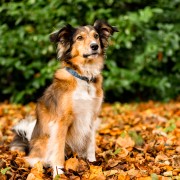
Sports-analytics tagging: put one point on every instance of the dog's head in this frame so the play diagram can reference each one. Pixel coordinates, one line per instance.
(87, 42)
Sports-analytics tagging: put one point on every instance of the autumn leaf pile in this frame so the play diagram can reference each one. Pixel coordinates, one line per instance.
(134, 141)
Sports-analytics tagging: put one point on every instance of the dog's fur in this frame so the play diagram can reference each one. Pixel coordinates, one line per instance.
(67, 113)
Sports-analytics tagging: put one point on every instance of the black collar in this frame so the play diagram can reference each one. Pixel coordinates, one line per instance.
(84, 78)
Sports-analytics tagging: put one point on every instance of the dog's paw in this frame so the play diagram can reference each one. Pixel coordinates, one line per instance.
(92, 158)
(32, 161)
(57, 170)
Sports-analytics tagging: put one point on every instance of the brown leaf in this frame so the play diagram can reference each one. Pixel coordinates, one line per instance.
(72, 164)
(133, 172)
(123, 153)
(3, 177)
(176, 161)
(162, 158)
(82, 166)
(112, 162)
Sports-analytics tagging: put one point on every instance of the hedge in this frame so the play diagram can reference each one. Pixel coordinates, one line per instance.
(143, 60)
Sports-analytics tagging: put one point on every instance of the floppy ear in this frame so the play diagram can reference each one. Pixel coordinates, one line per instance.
(104, 30)
(63, 37)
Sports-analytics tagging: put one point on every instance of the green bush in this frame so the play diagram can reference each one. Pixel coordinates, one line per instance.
(143, 61)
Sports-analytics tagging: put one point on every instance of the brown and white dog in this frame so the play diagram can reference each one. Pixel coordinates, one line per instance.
(67, 113)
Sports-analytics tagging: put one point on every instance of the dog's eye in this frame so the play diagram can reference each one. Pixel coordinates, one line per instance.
(96, 36)
(79, 38)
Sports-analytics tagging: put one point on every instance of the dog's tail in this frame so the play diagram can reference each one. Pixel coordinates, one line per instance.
(23, 132)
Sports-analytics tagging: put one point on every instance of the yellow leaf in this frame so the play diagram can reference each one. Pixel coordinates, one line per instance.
(31, 176)
(110, 172)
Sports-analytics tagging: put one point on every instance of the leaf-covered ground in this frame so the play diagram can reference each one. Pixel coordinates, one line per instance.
(134, 141)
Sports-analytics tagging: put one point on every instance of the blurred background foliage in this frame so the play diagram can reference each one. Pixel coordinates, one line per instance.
(143, 60)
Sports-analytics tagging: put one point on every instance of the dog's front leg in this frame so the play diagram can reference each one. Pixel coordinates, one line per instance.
(91, 147)
(56, 146)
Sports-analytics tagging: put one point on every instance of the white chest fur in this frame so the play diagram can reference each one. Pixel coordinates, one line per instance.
(84, 108)
(84, 99)
(84, 91)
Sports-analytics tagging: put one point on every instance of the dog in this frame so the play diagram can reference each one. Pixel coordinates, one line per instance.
(67, 113)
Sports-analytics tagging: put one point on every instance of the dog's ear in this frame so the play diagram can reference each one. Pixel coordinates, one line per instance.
(62, 35)
(63, 38)
(104, 30)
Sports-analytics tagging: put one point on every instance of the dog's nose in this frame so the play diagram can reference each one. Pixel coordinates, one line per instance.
(94, 46)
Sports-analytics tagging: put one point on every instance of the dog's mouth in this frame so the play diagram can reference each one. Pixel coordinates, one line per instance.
(95, 54)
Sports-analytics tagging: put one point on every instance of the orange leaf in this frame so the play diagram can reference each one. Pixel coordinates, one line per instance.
(123, 177)
(144, 178)
(96, 173)
(72, 163)
(36, 172)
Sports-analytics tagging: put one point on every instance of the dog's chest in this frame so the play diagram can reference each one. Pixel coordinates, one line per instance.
(84, 91)
(85, 106)
(84, 97)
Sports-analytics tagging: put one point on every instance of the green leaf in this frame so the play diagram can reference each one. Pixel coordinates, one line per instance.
(154, 176)
(139, 141)
(3, 171)
(117, 151)
(170, 127)
(123, 134)
(57, 177)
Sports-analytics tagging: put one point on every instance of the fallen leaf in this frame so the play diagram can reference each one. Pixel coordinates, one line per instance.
(3, 177)
(123, 177)
(154, 176)
(112, 163)
(123, 153)
(133, 172)
(150, 144)
(162, 159)
(117, 151)
(110, 172)
(96, 173)
(3, 171)
(36, 172)
(72, 163)
(144, 178)
(176, 161)
(168, 173)
(82, 166)
(136, 137)
(125, 142)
